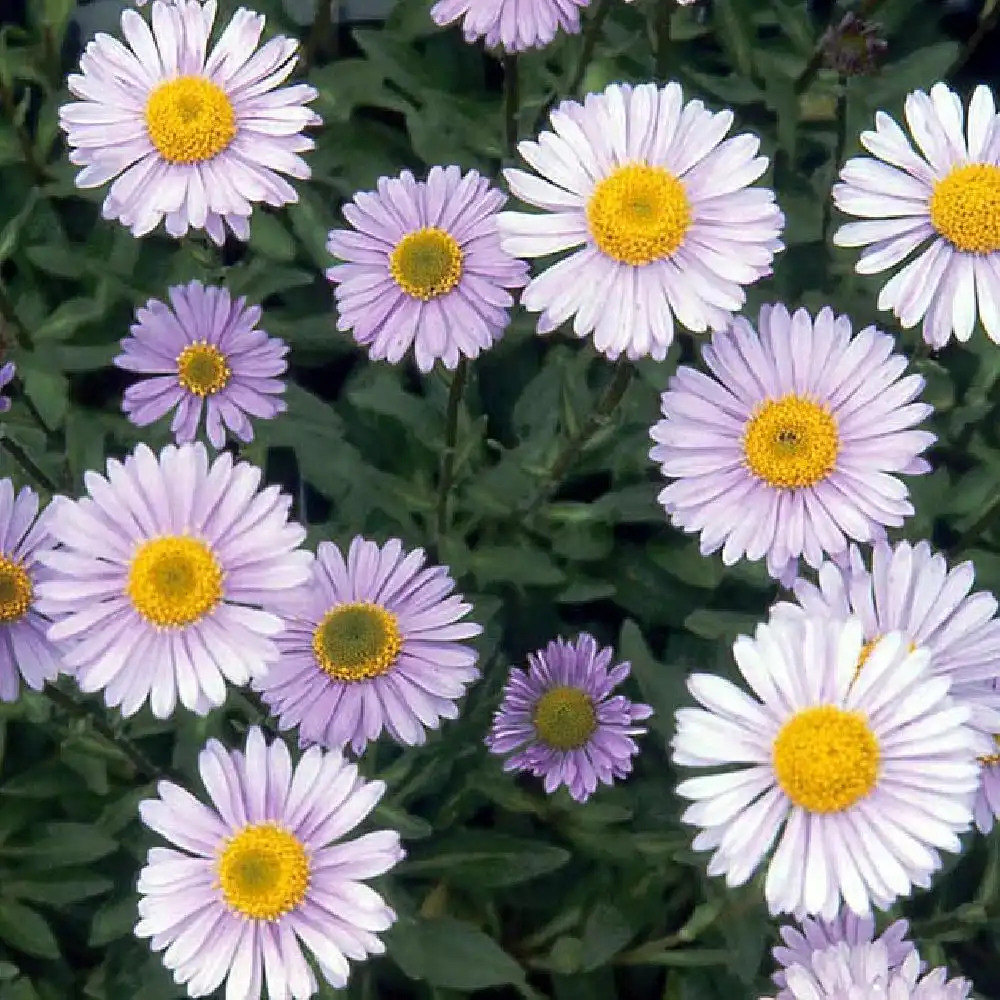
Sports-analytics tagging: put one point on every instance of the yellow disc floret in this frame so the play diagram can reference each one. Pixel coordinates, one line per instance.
(426, 263)
(263, 872)
(825, 758)
(190, 120)
(965, 208)
(639, 214)
(202, 369)
(174, 581)
(355, 642)
(564, 718)
(791, 442)
(16, 591)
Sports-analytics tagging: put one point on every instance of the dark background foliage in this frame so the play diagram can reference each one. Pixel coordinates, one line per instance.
(551, 525)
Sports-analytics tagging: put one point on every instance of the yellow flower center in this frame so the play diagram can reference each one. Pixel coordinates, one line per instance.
(426, 263)
(173, 581)
(965, 208)
(263, 872)
(564, 718)
(16, 591)
(639, 214)
(190, 119)
(355, 642)
(992, 759)
(791, 442)
(826, 759)
(202, 369)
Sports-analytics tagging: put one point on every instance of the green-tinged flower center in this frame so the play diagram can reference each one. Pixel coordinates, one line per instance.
(202, 369)
(426, 263)
(16, 591)
(564, 718)
(355, 642)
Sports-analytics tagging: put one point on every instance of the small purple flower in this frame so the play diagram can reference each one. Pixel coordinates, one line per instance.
(425, 267)
(7, 373)
(561, 718)
(515, 24)
(206, 352)
(370, 643)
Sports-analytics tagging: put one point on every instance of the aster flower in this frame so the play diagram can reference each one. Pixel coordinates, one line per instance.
(185, 138)
(371, 643)
(943, 200)
(818, 936)
(207, 354)
(424, 267)
(7, 373)
(657, 211)
(560, 721)
(25, 652)
(514, 24)
(263, 871)
(161, 575)
(860, 777)
(864, 972)
(987, 804)
(792, 448)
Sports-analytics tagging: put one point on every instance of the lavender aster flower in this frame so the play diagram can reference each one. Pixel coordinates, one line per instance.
(987, 805)
(186, 137)
(163, 574)
(369, 644)
(425, 267)
(515, 24)
(263, 873)
(563, 722)
(207, 354)
(24, 648)
(7, 373)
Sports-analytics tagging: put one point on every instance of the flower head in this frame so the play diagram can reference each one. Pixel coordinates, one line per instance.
(560, 721)
(25, 652)
(945, 199)
(7, 373)
(206, 354)
(657, 210)
(371, 643)
(424, 268)
(860, 777)
(987, 805)
(514, 24)
(264, 871)
(793, 447)
(185, 137)
(854, 46)
(163, 575)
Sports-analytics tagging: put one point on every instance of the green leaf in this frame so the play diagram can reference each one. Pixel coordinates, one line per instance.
(451, 953)
(11, 233)
(663, 687)
(510, 564)
(735, 31)
(113, 920)
(26, 930)
(605, 933)
(271, 239)
(60, 888)
(61, 844)
(49, 391)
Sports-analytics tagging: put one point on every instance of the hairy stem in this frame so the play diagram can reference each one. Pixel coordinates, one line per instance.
(511, 100)
(458, 381)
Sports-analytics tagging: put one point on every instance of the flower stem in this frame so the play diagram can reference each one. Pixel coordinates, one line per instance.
(610, 398)
(840, 144)
(511, 99)
(664, 12)
(26, 462)
(458, 381)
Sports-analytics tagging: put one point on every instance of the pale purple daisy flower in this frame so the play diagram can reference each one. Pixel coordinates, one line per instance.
(207, 353)
(656, 207)
(164, 575)
(370, 643)
(865, 972)
(860, 777)
(560, 721)
(795, 445)
(514, 24)
(25, 652)
(263, 874)
(187, 135)
(7, 373)
(938, 204)
(987, 805)
(424, 267)
(802, 945)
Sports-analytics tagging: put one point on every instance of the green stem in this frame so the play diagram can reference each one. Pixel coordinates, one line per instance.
(840, 144)
(664, 14)
(458, 381)
(9, 104)
(985, 28)
(318, 41)
(566, 459)
(511, 99)
(26, 462)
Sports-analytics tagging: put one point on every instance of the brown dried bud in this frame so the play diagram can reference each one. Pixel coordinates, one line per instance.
(855, 47)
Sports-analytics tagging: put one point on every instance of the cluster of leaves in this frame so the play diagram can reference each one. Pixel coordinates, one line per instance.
(504, 889)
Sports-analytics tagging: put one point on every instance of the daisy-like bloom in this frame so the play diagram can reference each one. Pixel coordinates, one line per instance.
(7, 373)
(791, 448)
(657, 209)
(866, 972)
(987, 805)
(560, 720)
(161, 575)
(191, 139)
(815, 937)
(24, 649)
(424, 268)
(861, 778)
(944, 198)
(371, 643)
(264, 871)
(206, 353)
(514, 24)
